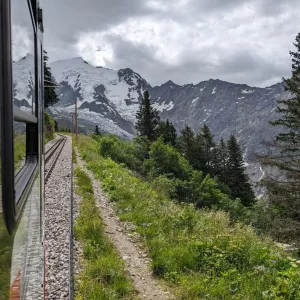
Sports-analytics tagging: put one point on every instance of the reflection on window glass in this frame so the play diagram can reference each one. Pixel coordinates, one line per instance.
(19, 145)
(23, 56)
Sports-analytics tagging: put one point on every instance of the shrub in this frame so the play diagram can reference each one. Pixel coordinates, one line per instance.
(165, 186)
(165, 159)
(121, 151)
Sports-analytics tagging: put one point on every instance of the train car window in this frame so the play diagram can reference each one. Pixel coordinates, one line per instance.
(23, 57)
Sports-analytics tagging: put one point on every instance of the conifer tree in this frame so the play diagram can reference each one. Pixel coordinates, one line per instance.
(147, 119)
(55, 125)
(167, 131)
(284, 193)
(222, 161)
(186, 144)
(50, 96)
(199, 162)
(237, 179)
(208, 146)
(97, 132)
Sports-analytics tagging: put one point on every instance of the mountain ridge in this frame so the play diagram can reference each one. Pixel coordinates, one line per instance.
(110, 99)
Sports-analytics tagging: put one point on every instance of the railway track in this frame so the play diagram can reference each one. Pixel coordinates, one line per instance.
(52, 155)
(58, 220)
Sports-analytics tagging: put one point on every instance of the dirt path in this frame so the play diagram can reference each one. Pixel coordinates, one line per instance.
(136, 260)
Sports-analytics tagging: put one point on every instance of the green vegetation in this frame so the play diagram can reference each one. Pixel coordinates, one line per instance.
(202, 253)
(236, 176)
(284, 190)
(222, 161)
(97, 131)
(49, 125)
(170, 172)
(147, 118)
(103, 275)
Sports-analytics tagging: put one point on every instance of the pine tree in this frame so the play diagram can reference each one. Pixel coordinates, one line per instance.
(167, 131)
(50, 96)
(208, 146)
(147, 119)
(97, 132)
(186, 144)
(237, 179)
(284, 192)
(222, 161)
(199, 162)
(55, 125)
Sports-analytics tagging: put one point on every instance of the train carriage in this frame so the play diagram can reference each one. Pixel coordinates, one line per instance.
(22, 150)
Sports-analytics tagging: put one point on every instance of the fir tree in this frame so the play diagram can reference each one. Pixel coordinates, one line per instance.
(208, 146)
(198, 162)
(97, 132)
(186, 144)
(284, 193)
(167, 131)
(50, 96)
(237, 179)
(222, 161)
(55, 125)
(147, 119)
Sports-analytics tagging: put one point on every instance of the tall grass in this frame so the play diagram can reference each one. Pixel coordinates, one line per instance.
(103, 275)
(200, 252)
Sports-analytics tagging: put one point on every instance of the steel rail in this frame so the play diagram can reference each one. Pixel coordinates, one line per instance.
(57, 150)
(52, 149)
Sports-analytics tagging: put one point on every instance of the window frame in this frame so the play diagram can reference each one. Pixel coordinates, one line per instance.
(15, 189)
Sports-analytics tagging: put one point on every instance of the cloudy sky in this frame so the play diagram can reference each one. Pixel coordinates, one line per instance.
(183, 40)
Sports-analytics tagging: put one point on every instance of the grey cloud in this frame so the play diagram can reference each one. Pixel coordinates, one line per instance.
(275, 7)
(258, 55)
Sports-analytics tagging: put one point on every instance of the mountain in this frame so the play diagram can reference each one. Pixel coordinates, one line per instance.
(227, 108)
(110, 99)
(105, 97)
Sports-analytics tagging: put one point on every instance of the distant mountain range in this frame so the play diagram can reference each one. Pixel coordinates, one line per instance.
(110, 99)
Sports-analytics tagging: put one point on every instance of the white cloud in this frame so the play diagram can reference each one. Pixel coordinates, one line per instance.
(94, 47)
(184, 40)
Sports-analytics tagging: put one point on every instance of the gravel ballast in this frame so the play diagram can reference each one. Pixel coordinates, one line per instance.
(57, 226)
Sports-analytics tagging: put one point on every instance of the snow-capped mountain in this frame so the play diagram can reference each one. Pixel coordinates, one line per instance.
(110, 98)
(105, 97)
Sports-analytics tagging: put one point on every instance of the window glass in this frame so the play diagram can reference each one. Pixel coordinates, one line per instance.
(19, 145)
(23, 57)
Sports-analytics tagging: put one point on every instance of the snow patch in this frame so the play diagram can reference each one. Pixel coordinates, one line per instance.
(214, 90)
(263, 174)
(247, 91)
(163, 106)
(194, 100)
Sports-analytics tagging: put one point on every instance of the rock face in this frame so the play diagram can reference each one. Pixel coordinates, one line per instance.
(110, 99)
(105, 97)
(227, 109)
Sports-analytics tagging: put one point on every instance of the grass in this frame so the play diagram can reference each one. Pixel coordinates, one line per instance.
(103, 275)
(200, 252)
